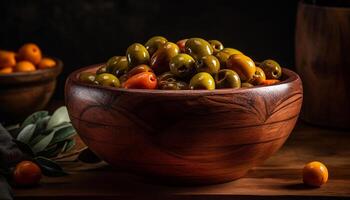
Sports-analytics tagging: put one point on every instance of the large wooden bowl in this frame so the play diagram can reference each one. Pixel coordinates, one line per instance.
(186, 137)
(23, 93)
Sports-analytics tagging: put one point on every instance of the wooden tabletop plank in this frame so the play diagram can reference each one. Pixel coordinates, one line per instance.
(278, 178)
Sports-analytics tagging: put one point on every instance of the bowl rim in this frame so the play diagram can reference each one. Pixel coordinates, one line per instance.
(37, 75)
(291, 77)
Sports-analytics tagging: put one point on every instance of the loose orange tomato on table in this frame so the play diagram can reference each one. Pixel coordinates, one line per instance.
(27, 173)
(315, 174)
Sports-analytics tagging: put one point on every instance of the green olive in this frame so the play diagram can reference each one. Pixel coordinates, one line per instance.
(137, 54)
(87, 77)
(224, 54)
(182, 65)
(197, 48)
(106, 79)
(117, 65)
(243, 65)
(271, 68)
(227, 78)
(102, 69)
(166, 76)
(138, 69)
(246, 85)
(153, 44)
(173, 85)
(209, 64)
(216, 45)
(161, 58)
(258, 77)
(202, 81)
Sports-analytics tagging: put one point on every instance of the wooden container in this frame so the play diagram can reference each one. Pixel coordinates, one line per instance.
(188, 136)
(323, 61)
(23, 93)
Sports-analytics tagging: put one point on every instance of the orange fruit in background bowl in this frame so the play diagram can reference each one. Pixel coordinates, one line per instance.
(24, 66)
(7, 59)
(30, 52)
(27, 173)
(46, 63)
(6, 70)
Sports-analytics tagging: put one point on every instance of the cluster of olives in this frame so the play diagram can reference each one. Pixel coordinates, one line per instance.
(188, 64)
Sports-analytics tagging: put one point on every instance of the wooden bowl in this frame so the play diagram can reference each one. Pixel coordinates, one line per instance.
(23, 93)
(188, 136)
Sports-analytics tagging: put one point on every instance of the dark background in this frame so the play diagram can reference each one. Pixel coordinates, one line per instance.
(84, 32)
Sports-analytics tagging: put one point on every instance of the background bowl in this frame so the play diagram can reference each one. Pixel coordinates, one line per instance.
(185, 137)
(23, 93)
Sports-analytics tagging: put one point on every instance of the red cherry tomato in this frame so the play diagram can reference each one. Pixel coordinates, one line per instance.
(144, 80)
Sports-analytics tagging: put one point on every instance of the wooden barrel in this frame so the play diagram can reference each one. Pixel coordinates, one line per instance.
(322, 54)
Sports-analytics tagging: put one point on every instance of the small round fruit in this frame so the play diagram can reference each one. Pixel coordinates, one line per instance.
(87, 77)
(117, 65)
(224, 54)
(102, 69)
(7, 59)
(246, 85)
(6, 70)
(216, 45)
(144, 80)
(154, 43)
(227, 78)
(258, 78)
(197, 48)
(182, 65)
(24, 66)
(30, 52)
(46, 63)
(209, 64)
(137, 54)
(181, 44)
(166, 76)
(173, 85)
(315, 174)
(243, 65)
(138, 69)
(271, 68)
(161, 58)
(106, 79)
(27, 173)
(202, 81)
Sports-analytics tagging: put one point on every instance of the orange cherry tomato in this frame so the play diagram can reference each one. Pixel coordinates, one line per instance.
(315, 174)
(144, 80)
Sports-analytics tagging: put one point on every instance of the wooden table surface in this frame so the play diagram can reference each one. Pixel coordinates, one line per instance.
(278, 178)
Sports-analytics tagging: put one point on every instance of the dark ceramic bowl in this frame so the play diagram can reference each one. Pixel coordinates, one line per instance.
(23, 93)
(185, 137)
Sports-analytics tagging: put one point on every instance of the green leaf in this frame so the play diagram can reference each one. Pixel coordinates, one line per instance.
(31, 119)
(26, 133)
(49, 167)
(58, 117)
(52, 150)
(63, 134)
(43, 143)
(41, 124)
(24, 148)
(69, 145)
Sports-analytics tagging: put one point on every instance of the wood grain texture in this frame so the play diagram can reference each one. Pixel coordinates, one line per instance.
(278, 178)
(24, 93)
(187, 137)
(322, 60)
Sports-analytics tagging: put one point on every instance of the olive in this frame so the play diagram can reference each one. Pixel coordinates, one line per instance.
(106, 79)
(182, 65)
(161, 58)
(197, 48)
(246, 85)
(154, 43)
(216, 45)
(227, 78)
(202, 80)
(117, 65)
(209, 64)
(243, 65)
(137, 54)
(181, 45)
(224, 54)
(87, 77)
(102, 69)
(123, 78)
(258, 77)
(166, 76)
(138, 69)
(271, 68)
(173, 85)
